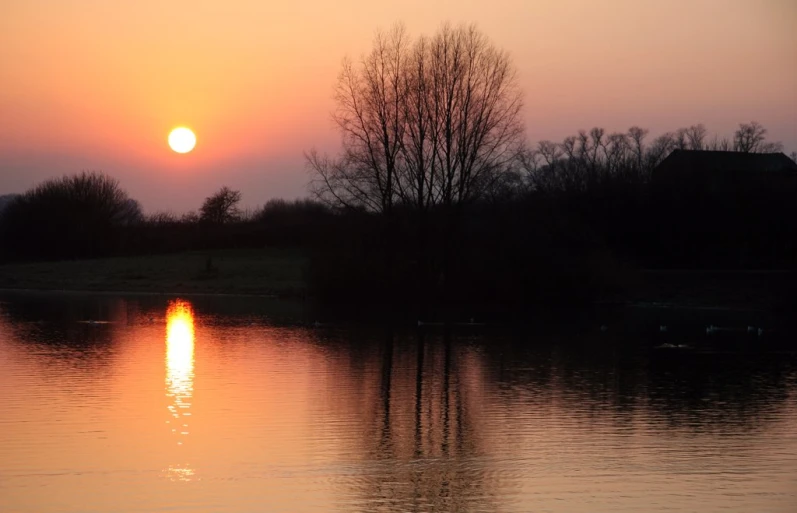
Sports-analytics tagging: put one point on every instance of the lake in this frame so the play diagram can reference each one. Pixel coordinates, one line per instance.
(146, 403)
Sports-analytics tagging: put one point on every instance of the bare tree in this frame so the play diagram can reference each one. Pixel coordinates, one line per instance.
(680, 139)
(161, 218)
(593, 159)
(434, 122)
(190, 217)
(751, 138)
(551, 152)
(637, 137)
(596, 142)
(476, 110)
(221, 207)
(696, 134)
(370, 101)
(617, 152)
(718, 144)
(129, 212)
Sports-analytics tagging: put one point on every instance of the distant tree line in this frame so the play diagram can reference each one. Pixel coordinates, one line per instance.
(464, 209)
(593, 158)
(89, 215)
(436, 197)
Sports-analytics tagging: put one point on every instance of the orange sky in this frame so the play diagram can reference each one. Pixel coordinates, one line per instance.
(93, 84)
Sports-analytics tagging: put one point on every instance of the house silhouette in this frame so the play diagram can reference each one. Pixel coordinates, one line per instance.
(723, 209)
(724, 174)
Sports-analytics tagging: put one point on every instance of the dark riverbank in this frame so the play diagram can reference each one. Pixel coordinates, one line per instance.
(681, 299)
(281, 272)
(273, 272)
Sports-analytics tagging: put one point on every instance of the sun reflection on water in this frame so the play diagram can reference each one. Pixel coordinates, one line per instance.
(177, 473)
(179, 365)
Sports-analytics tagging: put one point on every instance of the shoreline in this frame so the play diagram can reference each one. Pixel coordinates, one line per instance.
(280, 274)
(149, 293)
(267, 272)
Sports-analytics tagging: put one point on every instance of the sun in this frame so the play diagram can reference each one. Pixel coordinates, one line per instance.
(182, 140)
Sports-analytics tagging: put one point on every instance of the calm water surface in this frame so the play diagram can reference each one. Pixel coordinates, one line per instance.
(236, 405)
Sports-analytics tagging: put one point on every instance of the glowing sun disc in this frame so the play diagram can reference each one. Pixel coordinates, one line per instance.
(182, 140)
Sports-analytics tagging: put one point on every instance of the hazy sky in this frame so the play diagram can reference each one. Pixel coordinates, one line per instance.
(98, 84)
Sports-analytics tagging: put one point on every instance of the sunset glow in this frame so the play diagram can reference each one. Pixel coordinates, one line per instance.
(256, 82)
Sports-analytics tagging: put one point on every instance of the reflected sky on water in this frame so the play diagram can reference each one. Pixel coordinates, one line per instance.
(143, 403)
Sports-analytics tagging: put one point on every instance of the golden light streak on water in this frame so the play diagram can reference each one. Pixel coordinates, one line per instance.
(179, 365)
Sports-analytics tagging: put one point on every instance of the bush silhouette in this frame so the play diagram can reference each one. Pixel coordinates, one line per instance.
(70, 217)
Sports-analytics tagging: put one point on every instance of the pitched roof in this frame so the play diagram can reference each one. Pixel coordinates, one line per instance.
(729, 161)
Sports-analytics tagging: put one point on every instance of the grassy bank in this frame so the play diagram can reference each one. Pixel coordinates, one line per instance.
(264, 271)
(282, 272)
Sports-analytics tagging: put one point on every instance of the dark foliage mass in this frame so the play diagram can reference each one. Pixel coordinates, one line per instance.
(5, 200)
(221, 207)
(278, 223)
(71, 217)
